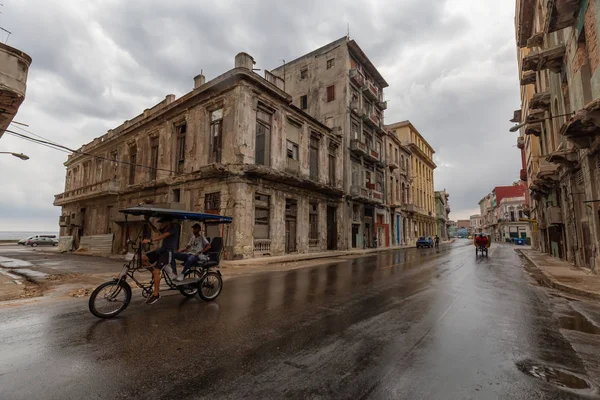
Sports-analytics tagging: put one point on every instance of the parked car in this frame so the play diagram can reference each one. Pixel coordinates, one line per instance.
(42, 241)
(425, 241)
(23, 242)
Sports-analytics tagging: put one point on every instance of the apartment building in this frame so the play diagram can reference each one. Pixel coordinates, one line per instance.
(442, 209)
(422, 211)
(558, 57)
(236, 145)
(338, 85)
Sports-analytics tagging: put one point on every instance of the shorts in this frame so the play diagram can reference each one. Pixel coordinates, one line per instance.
(160, 257)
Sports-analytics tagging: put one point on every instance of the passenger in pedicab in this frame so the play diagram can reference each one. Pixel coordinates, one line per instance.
(194, 252)
(481, 240)
(157, 259)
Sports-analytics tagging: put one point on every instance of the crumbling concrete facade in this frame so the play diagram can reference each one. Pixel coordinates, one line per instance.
(236, 145)
(338, 85)
(558, 55)
(14, 66)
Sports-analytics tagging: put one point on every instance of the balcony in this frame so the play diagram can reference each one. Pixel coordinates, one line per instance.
(360, 192)
(392, 164)
(528, 78)
(262, 247)
(551, 59)
(358, 147)
(377, 196)
(357, 78)
(521, 142)
(372, 91)
(523, 175)
(584, 128)
(382, 105)
(540, 101)
(567, 158)
(516, 116)
(374, 119)
(534, 129)
(561, 14)
(410, 208)
(64, 220)
(355, 107)
(100, 189)
(373, 155)
(13, 83)
(554, 216)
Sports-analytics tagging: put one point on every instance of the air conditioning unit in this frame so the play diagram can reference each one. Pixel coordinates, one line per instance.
(64, 220)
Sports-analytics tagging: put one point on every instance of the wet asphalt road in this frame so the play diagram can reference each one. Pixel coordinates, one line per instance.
(406, 324)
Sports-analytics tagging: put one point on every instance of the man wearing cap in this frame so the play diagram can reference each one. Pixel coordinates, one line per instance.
(161, 257)
(194, 251)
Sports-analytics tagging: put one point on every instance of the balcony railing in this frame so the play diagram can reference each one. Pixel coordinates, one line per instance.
(103, 188)
(372, 91)
(375, 119)
(373, 155)
(262, 246)
(313, 244)
(357, 78)
(382, 105)
(392, 164)
(377, 196)
(359, 147)
(359, 192)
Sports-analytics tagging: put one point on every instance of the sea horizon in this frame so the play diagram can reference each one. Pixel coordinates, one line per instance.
(18, 235)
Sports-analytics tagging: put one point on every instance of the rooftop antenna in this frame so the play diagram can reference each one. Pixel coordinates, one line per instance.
(348, 34)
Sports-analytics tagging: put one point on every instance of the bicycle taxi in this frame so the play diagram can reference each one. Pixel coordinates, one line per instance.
(112, 297)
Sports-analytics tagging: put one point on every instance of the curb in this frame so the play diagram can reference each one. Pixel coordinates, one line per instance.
(554, 283)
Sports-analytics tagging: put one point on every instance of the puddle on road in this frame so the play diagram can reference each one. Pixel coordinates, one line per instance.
(554, 376)
(575, 321)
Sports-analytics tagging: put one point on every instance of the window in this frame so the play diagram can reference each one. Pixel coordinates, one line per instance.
(261, 216)
(330, 63)
(292, 150)
(99, 167)
(304, 73)
(355, 174)
(512, 216)
(212, 202)
(263, 137)
(87, 166)
(132, 163)
(379, 182)
(332, 165)
(314, 158)
(313, 221)
(181, 131)
(330, 93)
(216, 132)
(304, 102)
(355, 130)
(153, 157)
(176, 195)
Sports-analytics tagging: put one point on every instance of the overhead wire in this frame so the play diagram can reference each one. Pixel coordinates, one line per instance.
(61, 147)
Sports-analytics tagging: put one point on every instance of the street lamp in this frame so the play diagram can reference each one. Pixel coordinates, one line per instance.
(517, 127)
(18, 155)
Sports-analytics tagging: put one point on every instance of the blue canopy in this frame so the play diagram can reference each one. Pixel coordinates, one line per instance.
(178, 214)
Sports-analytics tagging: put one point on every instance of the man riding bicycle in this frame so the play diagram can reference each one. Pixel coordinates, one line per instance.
(157, 259)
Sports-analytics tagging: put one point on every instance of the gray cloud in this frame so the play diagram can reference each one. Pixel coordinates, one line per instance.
(96, 64)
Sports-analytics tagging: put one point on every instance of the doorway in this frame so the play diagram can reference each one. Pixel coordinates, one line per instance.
(291, 213)
(355, 229)
(331, 228)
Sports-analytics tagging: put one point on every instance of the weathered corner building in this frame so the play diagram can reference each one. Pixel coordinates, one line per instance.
(558, 54)
(501, 210)
(442, 210)
(236, 145)
(14, 65)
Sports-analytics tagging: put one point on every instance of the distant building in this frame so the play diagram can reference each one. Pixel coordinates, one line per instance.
(462, 232)
(493, 215)
(476, 223)
(451, 229)
(463, 223)
(442, 209)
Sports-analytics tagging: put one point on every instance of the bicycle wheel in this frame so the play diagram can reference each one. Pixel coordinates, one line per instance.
(109, 299)
(210, 286)
(191, 289)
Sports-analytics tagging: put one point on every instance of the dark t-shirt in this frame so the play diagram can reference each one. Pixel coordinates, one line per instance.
(170, 242)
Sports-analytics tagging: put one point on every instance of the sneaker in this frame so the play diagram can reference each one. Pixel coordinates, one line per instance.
(179, 278)
(152, 299)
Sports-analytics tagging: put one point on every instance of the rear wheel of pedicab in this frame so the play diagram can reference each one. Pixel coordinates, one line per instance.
(191, 289)
(109, 299)
(210, 286)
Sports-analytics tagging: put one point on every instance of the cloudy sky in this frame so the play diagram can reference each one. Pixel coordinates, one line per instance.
(451, 66)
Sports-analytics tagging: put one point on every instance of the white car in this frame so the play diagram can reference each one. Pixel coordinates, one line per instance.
(41, 240)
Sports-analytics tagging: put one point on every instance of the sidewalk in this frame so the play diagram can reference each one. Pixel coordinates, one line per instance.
(564, 276)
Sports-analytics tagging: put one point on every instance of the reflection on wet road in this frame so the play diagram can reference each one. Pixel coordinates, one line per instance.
(406, 324)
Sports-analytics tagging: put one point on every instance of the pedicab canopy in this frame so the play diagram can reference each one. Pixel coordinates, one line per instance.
(209, 219)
